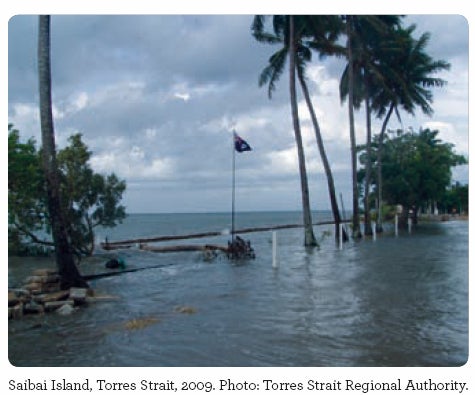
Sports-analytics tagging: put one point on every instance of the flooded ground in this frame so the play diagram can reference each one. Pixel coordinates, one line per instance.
(396, 301)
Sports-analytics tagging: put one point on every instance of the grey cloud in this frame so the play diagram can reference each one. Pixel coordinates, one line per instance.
(131, 67)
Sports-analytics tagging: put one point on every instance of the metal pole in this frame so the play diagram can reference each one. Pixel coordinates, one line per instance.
(373, 228)
(341, 236)
(233, 191)
(343, 212)
(396, 225)
(274, 250)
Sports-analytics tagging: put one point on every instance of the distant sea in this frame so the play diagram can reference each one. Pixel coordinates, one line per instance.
(150, 225)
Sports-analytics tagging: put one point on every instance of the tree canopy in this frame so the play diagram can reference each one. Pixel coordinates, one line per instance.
(88, 199)
(417, 167)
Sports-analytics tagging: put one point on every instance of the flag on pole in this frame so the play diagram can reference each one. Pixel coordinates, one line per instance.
(240, 145)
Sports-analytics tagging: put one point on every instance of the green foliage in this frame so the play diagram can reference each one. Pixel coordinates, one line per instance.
(88, 199)
(26, 193)
(416, 167)
(455, 200)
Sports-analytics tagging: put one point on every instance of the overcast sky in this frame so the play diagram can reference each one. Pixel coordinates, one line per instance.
(156, 99)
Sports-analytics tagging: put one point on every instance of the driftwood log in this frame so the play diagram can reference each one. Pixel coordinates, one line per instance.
(185, 247)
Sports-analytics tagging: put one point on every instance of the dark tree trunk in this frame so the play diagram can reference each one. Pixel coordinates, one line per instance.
(367, 179)
(326, 164)
(379, 227)
(67, 269)
(307, 217)
(356, 213)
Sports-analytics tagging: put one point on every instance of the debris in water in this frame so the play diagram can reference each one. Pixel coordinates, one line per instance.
(185, 309)
(140, 323)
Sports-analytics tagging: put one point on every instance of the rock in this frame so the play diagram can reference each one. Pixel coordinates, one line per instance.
(13, 299)
(20, 292)
(50, 306)
(51, 287)
(51, 278)
(44, 272)
(65, 309)
(37, 288)
(78, 295)
(34, 279)
(51, 297)
(33, 308)
(42, 293)
(16, 312)
(33, 287)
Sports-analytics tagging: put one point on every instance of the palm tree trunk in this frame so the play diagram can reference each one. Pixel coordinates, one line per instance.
(307, 217)
(323, 155)
(379, 227)
(356, 214)
(367, 213)
(64, 257)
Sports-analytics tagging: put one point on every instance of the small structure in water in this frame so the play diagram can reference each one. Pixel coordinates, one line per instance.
(115, 263)
(240, 249)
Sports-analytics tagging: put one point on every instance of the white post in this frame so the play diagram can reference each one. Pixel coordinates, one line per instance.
(396, 225)
(341, 236)
(409, 225)
(373, 228)
(274, 250)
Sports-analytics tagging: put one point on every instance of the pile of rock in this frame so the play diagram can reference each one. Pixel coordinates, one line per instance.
(42, 293)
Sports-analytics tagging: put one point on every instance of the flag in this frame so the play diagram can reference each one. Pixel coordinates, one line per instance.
(240, 145)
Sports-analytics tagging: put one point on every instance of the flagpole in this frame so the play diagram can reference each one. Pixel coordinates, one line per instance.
(233, 190)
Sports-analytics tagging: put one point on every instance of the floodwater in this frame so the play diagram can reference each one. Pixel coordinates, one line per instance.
(396, 301)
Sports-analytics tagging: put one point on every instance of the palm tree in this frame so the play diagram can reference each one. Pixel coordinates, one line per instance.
(366, 38)
(284, 33)
(307, 218)
(70, 276)
(407, 84)
(354, 177)
(322, 32)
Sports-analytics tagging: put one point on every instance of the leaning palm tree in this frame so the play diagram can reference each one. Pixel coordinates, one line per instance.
(407, 83)
(321, 33)
(284, 33)
(324, 32)
(69, 274)
(308, 226)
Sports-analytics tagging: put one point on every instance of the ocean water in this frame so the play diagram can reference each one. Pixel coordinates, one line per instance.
(395, 301)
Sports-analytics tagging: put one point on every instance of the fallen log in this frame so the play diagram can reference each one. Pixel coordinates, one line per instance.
(185, 247)
(109, 246)
(89, 277)
(123, 243)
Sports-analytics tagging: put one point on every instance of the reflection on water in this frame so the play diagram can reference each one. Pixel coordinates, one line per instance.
(397, 301)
